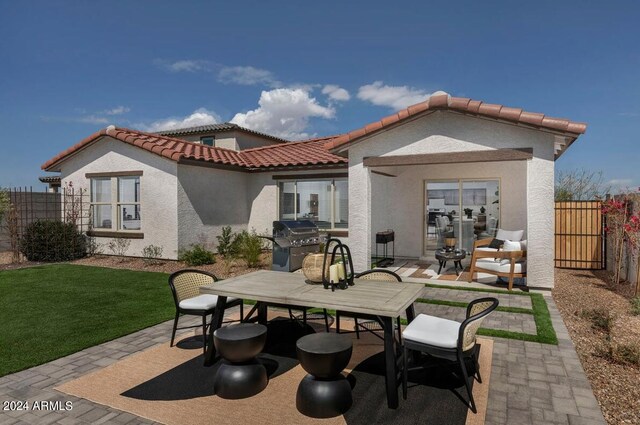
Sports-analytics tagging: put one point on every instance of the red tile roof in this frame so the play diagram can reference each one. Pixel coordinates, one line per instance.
(305, 153)
(442, 101)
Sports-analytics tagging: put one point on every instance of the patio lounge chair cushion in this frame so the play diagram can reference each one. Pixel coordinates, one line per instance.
(498, 266)
(432, 330)
(202, 302)
(513, 246)
(511, 235)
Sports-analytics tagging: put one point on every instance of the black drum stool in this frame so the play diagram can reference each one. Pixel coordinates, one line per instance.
(240, 375)
(324, 392)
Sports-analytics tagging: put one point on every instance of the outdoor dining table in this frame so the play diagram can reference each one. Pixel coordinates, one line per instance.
(383, 299)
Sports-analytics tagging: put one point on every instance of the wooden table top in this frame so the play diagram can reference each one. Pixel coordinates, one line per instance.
(389, 299)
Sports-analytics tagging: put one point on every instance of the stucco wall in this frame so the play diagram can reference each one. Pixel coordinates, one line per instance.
(158, 189)
(208, 200)
(235, 140)
(450, 132)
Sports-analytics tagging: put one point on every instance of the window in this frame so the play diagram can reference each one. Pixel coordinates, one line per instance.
(325, 202)
(115, 203)
(207, 140)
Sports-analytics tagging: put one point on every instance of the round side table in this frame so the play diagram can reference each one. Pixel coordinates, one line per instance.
(240, 375)
(456, 256)
(324, 392)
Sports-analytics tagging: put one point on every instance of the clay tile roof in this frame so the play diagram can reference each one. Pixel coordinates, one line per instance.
(215, 128)
(308, 152)
(442, 101)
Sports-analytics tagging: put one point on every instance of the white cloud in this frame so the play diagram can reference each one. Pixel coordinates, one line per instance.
(188, 65)
(395, 97)
(336, 93)
(247, 76)
(118, 110)
(91, 119)
(619, 185)
(200, 116)
(284, 113)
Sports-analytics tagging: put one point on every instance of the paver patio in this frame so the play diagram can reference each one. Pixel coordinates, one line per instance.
(531, 383)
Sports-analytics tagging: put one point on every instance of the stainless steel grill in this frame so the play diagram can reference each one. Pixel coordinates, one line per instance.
(292, 241)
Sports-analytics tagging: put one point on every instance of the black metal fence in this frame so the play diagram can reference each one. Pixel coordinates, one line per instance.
(27, 206)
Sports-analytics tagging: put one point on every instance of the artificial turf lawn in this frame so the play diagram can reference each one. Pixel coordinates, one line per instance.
(51, 311)
(545, 333)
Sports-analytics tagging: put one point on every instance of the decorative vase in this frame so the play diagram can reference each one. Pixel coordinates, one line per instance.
(312, 267)
(449, 244)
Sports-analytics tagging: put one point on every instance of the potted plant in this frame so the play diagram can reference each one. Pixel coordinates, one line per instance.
(482, 210)
(468, 212)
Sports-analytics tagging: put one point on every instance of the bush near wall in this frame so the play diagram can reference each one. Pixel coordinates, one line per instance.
(197, 256)
(51, 241)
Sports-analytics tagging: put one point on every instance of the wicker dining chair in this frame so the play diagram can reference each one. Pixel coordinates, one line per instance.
(185, 287)
(449, 340)
(369, 323)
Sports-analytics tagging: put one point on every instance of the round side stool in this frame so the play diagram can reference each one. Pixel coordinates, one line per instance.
(324, 392)
(240, 375)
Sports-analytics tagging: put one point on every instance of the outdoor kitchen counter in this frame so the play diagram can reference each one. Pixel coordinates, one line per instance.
(384, 299)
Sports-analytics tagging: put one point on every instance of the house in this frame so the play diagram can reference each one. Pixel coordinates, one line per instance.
(446, 154)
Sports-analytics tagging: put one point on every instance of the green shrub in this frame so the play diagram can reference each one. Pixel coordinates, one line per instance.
(225, 242)
(151, 254)
(119, 246)
(51, 240)
(248, 246)
(635, 306)
(600, 318)
(197, 256)
(626, 353)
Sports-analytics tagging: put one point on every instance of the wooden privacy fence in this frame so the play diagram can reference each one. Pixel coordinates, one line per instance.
(579, 235)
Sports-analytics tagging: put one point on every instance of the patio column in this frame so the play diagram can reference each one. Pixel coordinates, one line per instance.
(540, 222)
(360, 215)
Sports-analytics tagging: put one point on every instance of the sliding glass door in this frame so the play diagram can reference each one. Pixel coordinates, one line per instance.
(464, 209)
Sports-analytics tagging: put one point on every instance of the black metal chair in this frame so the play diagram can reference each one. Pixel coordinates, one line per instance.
(366, 322)
(447, 339)
(185, 287)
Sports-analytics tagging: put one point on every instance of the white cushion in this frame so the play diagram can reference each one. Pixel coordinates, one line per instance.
(513, 246)
(432, 330)
(486, 249)
(497, 266)
(202, 302)
(511, 235)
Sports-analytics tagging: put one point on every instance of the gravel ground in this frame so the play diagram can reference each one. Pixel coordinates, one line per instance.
(615, 384)
(223, 269)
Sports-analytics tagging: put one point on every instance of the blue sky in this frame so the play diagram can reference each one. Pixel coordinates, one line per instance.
(300, 69)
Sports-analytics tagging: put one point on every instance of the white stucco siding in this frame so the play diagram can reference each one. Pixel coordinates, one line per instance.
(208, 200)
(397, 202)
(262, 198)
(158, 190)
(541, 217)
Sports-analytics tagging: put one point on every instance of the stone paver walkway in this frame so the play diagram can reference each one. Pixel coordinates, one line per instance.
(531, 383)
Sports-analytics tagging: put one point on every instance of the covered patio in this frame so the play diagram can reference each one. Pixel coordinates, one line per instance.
(496, 158)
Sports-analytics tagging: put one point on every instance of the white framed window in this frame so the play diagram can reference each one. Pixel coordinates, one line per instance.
(115, 203)
(322, 201)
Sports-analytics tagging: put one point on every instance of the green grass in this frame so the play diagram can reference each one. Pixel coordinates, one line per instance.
(52, 311)
(545, 333)
(469, 289)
